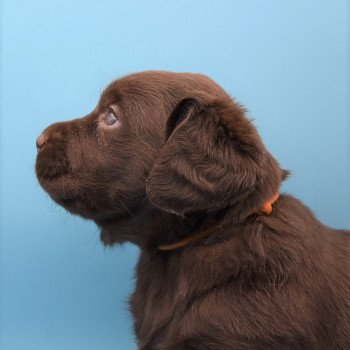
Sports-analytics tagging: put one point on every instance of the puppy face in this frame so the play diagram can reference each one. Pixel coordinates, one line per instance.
(172, 141)
(96, 166)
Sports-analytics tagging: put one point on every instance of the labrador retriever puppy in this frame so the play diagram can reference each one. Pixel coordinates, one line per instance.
(169, 162)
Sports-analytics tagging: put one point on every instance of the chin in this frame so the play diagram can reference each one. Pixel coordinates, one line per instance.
(64, 191)
(117, 231)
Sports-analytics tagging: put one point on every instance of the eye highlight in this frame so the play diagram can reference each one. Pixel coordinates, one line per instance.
(111, 119)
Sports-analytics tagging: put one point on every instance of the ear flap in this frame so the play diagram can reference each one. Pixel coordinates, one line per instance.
(212, 158)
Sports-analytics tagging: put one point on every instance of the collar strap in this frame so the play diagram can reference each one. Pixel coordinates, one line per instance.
(266, 209)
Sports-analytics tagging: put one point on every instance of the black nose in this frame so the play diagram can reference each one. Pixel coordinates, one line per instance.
(41, 141)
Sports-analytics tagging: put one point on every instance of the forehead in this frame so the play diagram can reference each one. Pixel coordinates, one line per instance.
(157, 85)
(138, 85)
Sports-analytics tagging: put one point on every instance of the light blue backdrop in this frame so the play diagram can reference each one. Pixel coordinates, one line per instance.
(287, 61)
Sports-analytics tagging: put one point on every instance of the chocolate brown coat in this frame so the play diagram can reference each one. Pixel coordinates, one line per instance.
(166, 155)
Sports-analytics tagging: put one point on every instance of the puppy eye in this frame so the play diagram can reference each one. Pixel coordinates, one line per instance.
(111, 119)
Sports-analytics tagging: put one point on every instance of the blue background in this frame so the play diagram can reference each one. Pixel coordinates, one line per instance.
(287, 61)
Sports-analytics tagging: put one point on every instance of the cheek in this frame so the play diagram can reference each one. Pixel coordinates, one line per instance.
(81, 155)
(127, 166)
(99, 162)
(113, 162)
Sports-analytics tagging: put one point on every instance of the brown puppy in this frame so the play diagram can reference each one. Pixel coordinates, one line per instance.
(169, 162)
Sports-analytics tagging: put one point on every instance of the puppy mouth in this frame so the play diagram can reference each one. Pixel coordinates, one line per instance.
(75, 192)
(46, 173)
(74, 203)
(56, 186)
(52, 171)
(64, 201)
(66, 191)
(60, 185)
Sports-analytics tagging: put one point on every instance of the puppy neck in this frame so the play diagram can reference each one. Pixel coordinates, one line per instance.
(266, 209)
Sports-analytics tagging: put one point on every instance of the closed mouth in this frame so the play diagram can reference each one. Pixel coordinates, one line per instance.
(47, 175)
(59, 187)
(66, 201)
(48, 167)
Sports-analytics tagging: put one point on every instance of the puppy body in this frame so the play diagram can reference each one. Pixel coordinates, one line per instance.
(183, 157)
(272, 282)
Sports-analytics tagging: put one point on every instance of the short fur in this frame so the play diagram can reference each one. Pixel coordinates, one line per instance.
(184, 157)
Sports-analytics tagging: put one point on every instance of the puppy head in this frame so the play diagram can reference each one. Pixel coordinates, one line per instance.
(172, 141)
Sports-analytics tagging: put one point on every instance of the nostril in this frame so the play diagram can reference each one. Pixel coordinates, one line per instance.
(41, 141)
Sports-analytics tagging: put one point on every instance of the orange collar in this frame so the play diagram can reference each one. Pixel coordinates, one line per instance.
(267, 206)
(266, 209)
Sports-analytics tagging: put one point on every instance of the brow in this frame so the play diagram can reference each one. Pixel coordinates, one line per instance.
(109, 97)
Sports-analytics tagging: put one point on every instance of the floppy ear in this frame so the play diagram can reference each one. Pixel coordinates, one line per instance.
(212, 158)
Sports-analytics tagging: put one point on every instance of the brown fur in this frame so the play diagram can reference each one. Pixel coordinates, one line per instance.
(184, 157)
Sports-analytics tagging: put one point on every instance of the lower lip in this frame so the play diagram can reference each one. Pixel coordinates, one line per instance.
(66, 201)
